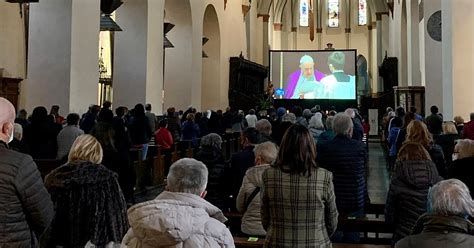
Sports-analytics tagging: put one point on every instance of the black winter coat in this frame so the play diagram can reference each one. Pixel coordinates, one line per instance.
(40, 139)
(216, 191)
(346, 159)
(407, 196)
(437, 156)
(433, 231)
(89, 206)
(26, 209)
(446, 141)
(140, 131)
(463, 169)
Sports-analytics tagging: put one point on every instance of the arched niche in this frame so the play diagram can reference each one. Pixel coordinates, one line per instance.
(210, 91)
(178, 60)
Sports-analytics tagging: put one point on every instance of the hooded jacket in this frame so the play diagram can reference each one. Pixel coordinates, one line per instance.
(407, 196)
(433, 231)
(251, 220)
(177, 220)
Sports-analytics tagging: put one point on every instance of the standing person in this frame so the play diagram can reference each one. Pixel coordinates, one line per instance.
(56, 116)
(90, 207)
(459, 121)
(67, 135)
(140, 132)
(434, 121)
(358, 130)
(413, 176)
(105, 110)
(346, 158)
(40, 135)
(446, 224)
(151, 118)
(468, 129)
(264, 128)
(251, 118)
(393, 135)
(164, 140)
(295, 184)
(417, 116)
(179, 216)
(418, 132)
(89, 119)
(328, 134)
(22, 118)
(248, 200)
(26, 209)
(174, 125)
(190, 132)
(316, 126)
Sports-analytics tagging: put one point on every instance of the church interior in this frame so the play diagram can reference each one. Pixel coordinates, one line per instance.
(241, 57)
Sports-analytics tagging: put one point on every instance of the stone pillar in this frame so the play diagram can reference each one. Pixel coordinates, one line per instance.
(414, 77)
(266, 46)
(138, 68)
(63, 63)
(277, 36)
(458, 58)
(433, 60)
(379, 53)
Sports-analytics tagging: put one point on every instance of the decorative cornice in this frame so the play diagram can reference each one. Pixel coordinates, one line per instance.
(264, 16)
(245, 9)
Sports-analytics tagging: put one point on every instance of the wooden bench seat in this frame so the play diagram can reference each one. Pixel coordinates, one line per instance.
(242, 242)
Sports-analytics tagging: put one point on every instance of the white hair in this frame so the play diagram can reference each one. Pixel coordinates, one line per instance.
(290, 117)
(213, 140)
(350, 112)
(187, 175)
(264, 126)
(329, 122)
(342, 124)
(17, 131)
(267, 151)
(451, 198)
(316, 121)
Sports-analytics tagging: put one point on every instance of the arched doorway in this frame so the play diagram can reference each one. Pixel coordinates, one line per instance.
(211, 66)
(177, 61)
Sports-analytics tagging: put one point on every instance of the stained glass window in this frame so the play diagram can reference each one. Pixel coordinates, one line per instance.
(304, 13)
(333, 8)
(362, 12)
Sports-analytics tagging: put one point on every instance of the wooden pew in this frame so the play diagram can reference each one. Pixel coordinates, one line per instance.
(242, 242)
(45, 166)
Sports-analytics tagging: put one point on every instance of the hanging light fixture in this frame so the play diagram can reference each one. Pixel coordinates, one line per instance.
(106, 22)
(204, 41)
(166, 42)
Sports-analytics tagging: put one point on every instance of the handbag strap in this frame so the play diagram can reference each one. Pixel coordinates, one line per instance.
(249, 200)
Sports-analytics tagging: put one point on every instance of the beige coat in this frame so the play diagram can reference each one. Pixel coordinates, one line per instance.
(251, 220)
(177, 220)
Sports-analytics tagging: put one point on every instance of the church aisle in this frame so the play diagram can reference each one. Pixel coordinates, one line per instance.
(378, 179)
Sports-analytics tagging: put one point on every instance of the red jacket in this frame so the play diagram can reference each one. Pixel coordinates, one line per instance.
(468, 131)
(163, 138)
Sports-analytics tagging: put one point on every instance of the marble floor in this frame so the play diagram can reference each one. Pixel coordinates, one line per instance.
(377, 175)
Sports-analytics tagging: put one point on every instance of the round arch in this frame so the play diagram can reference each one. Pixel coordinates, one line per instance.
(211, 83)
(177, 59)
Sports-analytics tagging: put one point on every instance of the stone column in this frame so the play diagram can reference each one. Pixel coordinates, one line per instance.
(138, 64)
(458, 58)
(63, 55)
(379, 53)
(414, 77)
(433, 60)
(266, 46)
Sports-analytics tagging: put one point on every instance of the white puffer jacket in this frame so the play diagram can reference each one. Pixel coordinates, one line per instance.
(177, 220)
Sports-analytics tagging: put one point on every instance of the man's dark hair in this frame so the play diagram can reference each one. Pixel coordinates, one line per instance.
(148, 107)
(434, 109)
(400, 112)
(163, 122)
(251, 111)
(337, 60)
(72, 119)
(471, 116)
(251, 134)
(139, 110)
(120, 111)
(106, 105)
(298, 111)
(413, 109)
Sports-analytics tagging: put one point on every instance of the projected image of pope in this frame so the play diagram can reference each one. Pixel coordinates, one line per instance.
(305, 83)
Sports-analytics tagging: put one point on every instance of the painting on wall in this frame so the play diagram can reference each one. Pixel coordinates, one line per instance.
(333, 14)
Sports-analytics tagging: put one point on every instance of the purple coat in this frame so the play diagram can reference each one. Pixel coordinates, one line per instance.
(293, 81)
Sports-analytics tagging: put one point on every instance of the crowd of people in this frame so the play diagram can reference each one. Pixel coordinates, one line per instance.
(297, 172)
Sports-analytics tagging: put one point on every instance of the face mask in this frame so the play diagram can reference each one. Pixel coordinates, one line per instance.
(11, 137)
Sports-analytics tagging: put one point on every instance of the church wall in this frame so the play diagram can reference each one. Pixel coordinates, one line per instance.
(12, 44)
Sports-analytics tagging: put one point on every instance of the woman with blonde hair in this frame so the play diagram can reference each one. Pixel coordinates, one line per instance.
(418, 132)
(447, 140)
(414, 174)
(462, 166)
(90, 208)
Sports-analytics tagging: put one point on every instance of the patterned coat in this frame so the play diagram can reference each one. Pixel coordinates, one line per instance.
(298, 210)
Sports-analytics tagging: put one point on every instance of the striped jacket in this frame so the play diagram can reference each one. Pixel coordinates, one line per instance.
(297, 210)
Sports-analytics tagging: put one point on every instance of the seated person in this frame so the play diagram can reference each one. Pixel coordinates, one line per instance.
(248, 199)
(179, 216)
(338, 85)
(304, 83)
(445, 224)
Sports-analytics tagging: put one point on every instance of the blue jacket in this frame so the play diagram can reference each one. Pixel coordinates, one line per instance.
(392, 141)
(190, 132)
(346, 159)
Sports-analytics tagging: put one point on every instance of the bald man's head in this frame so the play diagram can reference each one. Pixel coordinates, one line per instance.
(7, 111)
